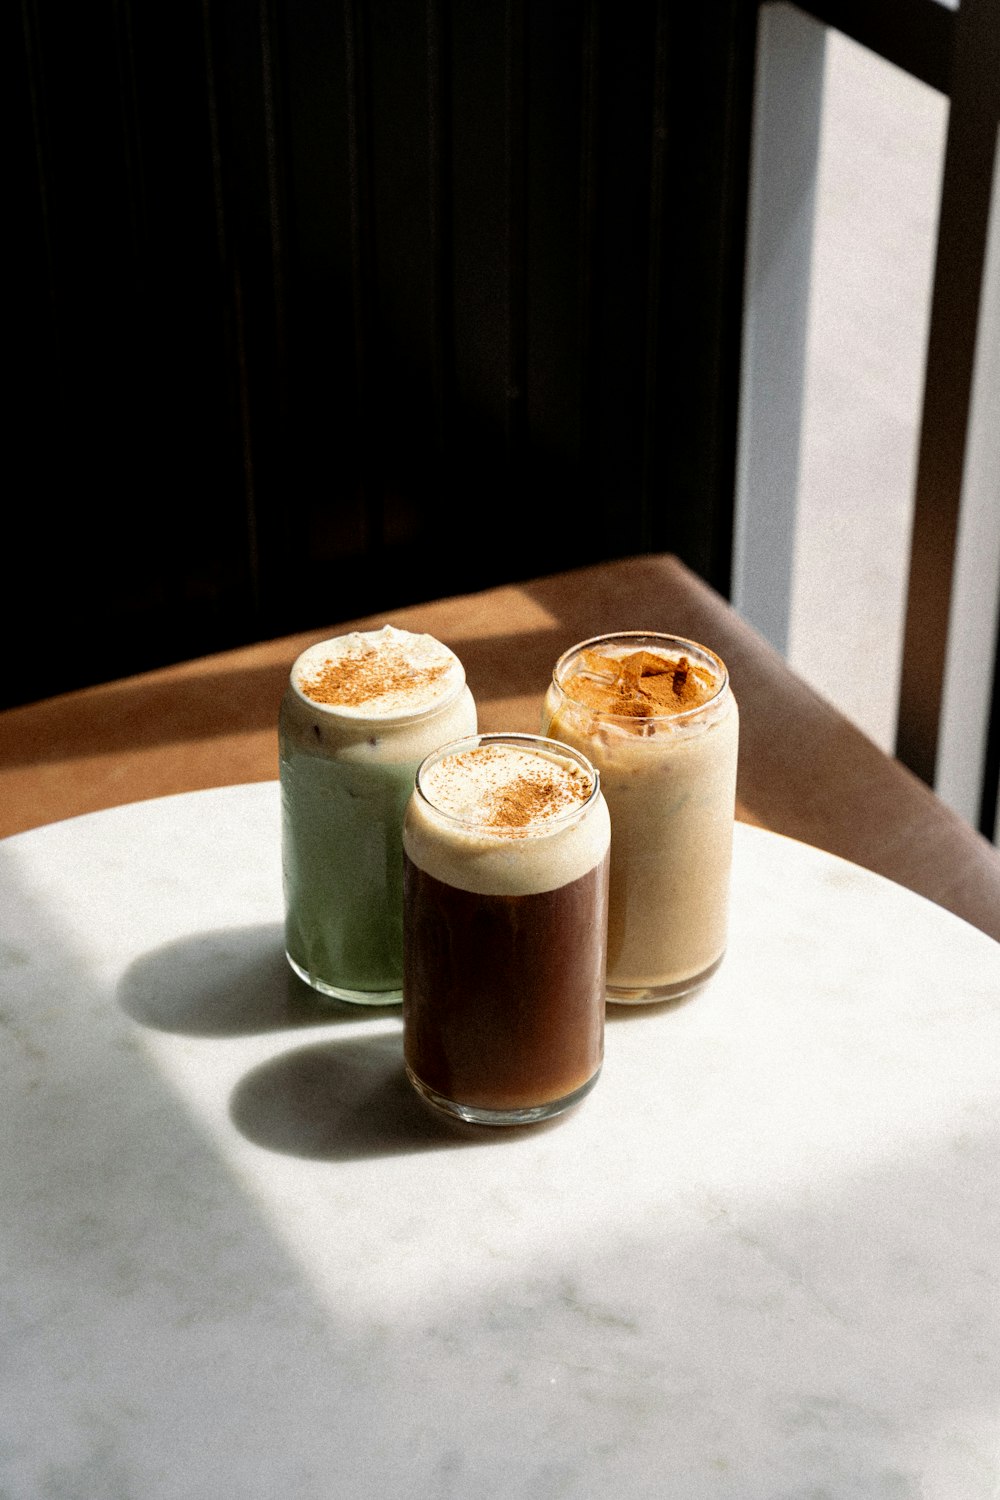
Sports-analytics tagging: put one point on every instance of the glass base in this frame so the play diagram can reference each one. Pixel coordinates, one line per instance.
(336, 992)
(658, 994)
(476, 1115)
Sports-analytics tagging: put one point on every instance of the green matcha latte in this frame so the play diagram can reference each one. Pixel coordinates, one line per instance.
(360, 712)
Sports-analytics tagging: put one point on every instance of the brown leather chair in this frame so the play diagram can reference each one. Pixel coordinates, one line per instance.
(805, 771)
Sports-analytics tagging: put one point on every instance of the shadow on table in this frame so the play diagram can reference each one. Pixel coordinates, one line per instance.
(233, 981)
(346, 1100)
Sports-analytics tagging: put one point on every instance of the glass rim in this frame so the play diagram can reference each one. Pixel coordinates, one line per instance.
(545, 747)
(694, 647)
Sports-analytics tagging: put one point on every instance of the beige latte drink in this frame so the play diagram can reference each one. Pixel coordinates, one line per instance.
(657, 717)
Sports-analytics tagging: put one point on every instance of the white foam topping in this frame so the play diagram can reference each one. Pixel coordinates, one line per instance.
(499, 817)
(378, 674)
(510, 791)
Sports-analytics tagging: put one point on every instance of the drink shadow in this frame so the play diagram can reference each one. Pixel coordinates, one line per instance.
(231, 981)
(342, 1100)
(334, 1100)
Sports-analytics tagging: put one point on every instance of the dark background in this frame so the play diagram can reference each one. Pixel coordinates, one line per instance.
(324, 308)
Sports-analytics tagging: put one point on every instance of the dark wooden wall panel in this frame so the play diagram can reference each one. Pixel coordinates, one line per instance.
(306, 295)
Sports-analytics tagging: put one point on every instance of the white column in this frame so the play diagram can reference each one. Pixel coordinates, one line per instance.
(787, 107)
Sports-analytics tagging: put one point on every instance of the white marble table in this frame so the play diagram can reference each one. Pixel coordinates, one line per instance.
(240, 1260)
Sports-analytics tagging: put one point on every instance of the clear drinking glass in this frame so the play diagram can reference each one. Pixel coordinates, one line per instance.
(359, 715)
(506, 843)
(656, 715)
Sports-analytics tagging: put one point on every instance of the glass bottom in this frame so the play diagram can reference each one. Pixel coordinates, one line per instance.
(476, 1115)
(657, 994)
(337, 992)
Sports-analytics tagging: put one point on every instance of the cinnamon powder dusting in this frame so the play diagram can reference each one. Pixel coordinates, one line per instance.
(525, 801)
(368, 675)
(526, 798)
(642, 685)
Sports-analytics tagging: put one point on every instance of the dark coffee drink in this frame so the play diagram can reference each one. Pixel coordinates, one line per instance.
(506, 844)
(500, 990)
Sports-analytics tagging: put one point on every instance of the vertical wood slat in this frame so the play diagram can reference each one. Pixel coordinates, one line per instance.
(130, 130)
(515, 247)
(441, 228)
(739, 65)
(960, 261)
(231, 293)
(589, 293)
(701, 126)
(275, 155)
(359, 150)
(271, 540)
(651, 494)
(37, 102)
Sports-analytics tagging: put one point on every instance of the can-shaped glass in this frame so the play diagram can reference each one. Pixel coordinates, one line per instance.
(656, 715)
(506, 843)
(360, 712)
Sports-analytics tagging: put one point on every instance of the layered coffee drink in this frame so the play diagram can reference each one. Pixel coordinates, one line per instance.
(506, 841)
(360, 712)
(657, 717)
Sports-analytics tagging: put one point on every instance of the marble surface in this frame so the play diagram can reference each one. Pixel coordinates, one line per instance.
(239, 1258)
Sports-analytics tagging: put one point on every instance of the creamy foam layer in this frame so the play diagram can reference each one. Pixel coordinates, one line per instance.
(378, 674)
(501, 817)
(377, 697)
(510, 791)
